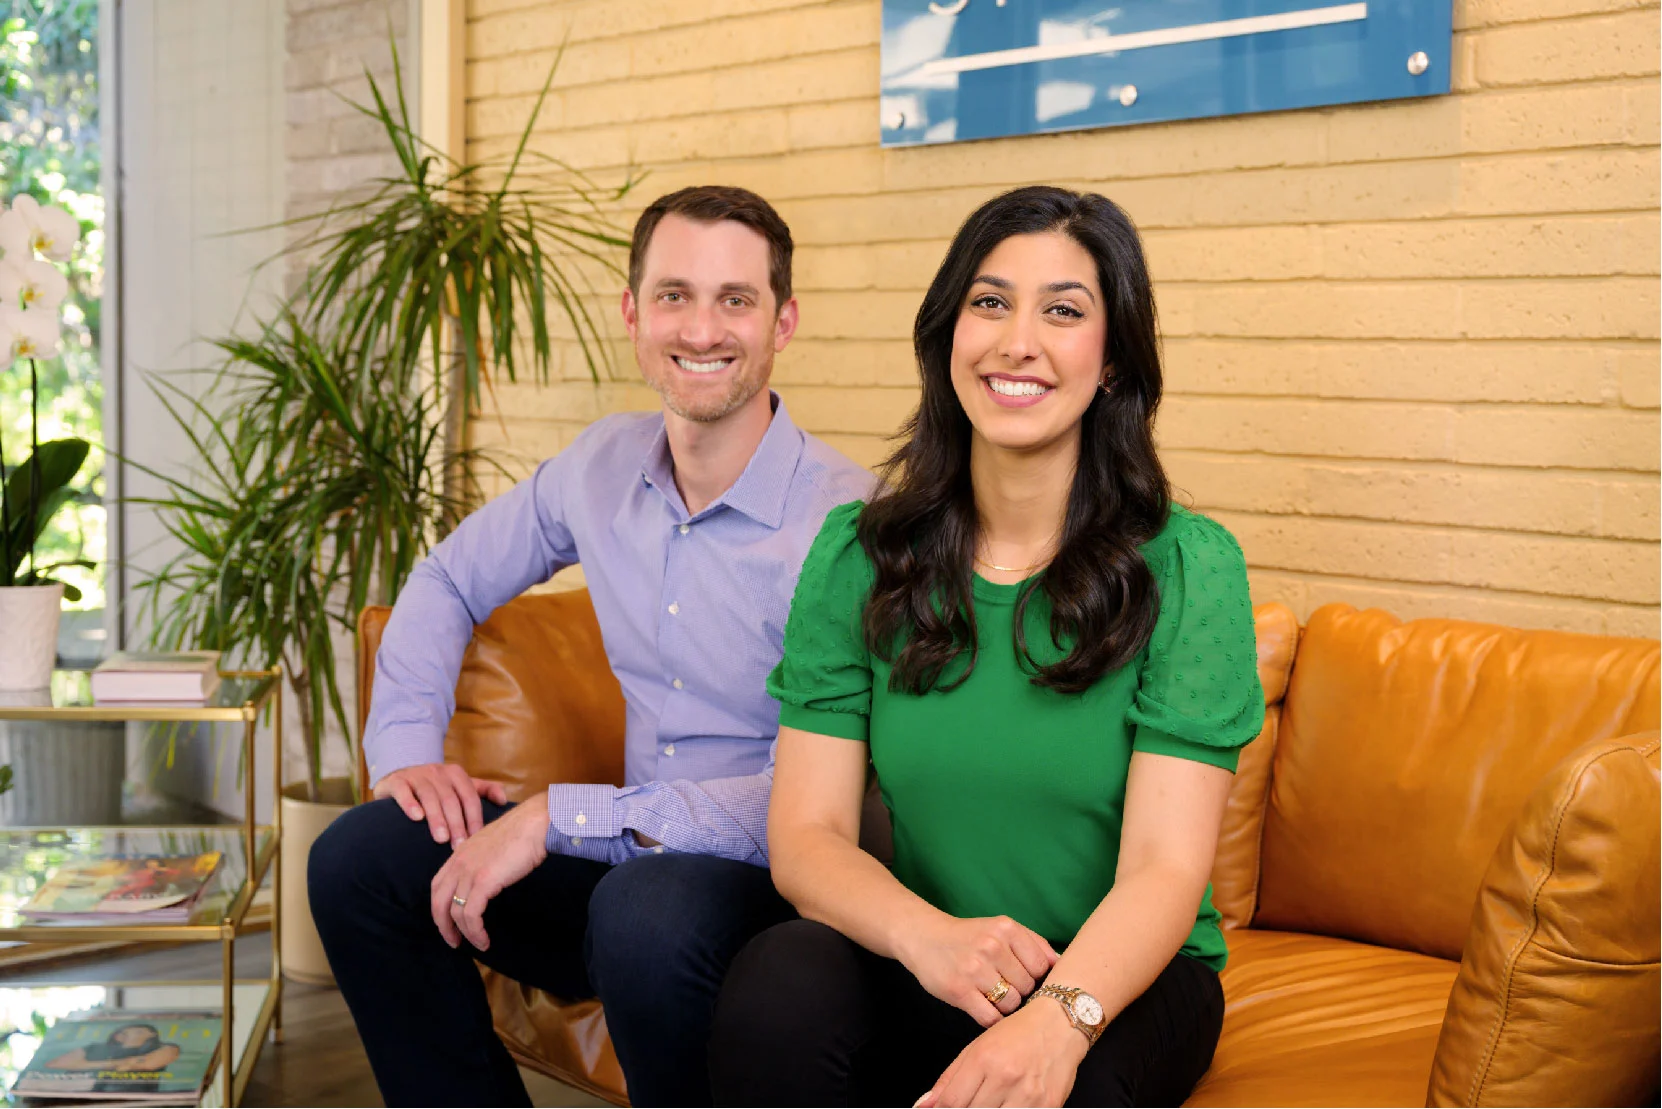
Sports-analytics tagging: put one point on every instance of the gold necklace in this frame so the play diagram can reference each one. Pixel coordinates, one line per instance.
(1008, 569)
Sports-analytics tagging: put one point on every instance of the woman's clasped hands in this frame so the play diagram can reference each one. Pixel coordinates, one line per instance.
(1026, 1059)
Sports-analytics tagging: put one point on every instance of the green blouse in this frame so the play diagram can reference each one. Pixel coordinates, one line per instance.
(1007, 797)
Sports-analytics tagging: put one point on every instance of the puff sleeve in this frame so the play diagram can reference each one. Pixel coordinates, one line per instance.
(823, 681)
(1198, 694)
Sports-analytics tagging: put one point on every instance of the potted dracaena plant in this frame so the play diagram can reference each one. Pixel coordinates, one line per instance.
(34, 240)
(331, 444)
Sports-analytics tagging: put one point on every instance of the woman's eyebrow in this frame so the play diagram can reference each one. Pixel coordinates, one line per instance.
(1067, 286)
(995, 282)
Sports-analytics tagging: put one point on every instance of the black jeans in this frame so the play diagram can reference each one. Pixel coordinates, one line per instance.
(809, 1017)
(651, 938)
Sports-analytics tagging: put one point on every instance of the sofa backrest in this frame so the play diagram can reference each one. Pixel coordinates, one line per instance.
(1404, 753)
(1235, 867)
(536, 701)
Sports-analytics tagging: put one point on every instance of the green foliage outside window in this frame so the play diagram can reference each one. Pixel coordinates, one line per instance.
(50, 150)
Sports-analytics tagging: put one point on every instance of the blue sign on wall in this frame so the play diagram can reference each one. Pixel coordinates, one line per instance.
(977, 69)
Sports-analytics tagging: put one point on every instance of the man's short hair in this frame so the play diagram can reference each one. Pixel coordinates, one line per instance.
(712, 204)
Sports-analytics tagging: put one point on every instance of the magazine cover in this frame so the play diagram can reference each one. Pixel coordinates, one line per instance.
(126, 1055)
(121, 887)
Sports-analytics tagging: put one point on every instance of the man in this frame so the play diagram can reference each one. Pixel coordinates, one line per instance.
(691, 526)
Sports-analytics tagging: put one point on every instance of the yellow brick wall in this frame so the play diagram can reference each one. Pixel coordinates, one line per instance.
(1411, 348)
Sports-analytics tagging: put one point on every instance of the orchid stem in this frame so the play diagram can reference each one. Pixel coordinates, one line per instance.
(32, 525)
(6, 567)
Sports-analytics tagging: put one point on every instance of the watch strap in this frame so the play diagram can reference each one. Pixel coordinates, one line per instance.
(1064, 996)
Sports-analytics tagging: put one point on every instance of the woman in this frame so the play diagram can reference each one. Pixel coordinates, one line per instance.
(1052, 668)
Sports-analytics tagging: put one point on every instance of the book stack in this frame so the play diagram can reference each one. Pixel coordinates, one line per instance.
(133, 1056)
(130, 676)
(149, 890)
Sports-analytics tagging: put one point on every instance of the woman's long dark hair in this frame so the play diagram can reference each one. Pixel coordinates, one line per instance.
(921, 533)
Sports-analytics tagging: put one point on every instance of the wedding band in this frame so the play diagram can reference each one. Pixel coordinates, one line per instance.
(459, 902)
(996, 994)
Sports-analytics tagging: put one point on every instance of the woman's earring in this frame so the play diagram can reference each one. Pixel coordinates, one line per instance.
(1107, 385)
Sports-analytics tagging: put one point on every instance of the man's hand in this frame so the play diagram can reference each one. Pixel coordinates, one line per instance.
(444, 795)
(504, 852)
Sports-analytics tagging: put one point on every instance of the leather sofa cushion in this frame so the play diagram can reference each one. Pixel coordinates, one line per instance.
(1310, 1020)
(1405, 752)
(536, 701)
(565, 1039)
(1557, 998)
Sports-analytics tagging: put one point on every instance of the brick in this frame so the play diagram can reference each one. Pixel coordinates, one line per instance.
(1306, 593)
(770, 36)
(1545, 372)
(1234, 254)
(1590, 569)
(1580, 181)
(1484, 13)
(844, 123)
(1575, 438)
(1628, 508)
(1552, 503)
(1644, 113)
(1620, 45)
(1639, 372)
(1536, 246)
(1608, 307)
(1342, 429)
(846, 362)
(1641, 621)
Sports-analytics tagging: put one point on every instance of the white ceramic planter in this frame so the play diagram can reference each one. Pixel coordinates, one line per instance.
(28, 635)
(303, 822)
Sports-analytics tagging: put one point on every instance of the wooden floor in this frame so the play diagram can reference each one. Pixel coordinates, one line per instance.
(319, 1062)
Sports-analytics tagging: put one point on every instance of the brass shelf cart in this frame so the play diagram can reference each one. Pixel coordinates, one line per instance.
(248, 849)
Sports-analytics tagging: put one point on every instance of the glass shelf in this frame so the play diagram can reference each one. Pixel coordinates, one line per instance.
(23, 1008)
(238, 697)
(28, 856)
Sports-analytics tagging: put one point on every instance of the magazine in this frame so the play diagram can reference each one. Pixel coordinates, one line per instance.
(152, 889)
(125, 1055)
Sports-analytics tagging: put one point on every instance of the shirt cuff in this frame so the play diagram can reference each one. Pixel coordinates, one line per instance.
(581, 811)
(839, 725)
(399, 748)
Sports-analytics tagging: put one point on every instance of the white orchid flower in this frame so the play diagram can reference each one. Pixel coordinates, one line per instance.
(14, 239)
(34, 284)
(27, 334)
(53, 232)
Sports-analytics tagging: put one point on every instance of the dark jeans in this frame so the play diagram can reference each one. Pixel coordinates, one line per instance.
(809, 1017)
(651, 938)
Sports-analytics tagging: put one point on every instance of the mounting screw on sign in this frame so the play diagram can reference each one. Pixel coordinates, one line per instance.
(1127, 96)
(1418, 63)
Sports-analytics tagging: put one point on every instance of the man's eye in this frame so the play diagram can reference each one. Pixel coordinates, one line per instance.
(735, 302)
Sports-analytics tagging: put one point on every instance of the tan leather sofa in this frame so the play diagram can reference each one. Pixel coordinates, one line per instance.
(1438, 871)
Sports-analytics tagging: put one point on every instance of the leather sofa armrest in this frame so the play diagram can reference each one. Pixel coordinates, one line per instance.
(1556, 1002)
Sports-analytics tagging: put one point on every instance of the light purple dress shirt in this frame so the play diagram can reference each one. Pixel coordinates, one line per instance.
(692, 611)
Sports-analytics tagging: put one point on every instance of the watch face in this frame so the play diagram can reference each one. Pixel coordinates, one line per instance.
(1087, 1009)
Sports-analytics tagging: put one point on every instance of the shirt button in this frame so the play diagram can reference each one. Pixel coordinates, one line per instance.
(576, 841)
(581, 819)
(658, 850)
(675, 610)
(678, 684)
(683, 529)
(670, 750)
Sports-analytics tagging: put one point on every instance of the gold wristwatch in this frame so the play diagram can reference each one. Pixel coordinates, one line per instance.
(1084, 1011)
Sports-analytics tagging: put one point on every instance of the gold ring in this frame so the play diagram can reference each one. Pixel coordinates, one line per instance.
(996, 994)
(460, 902)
